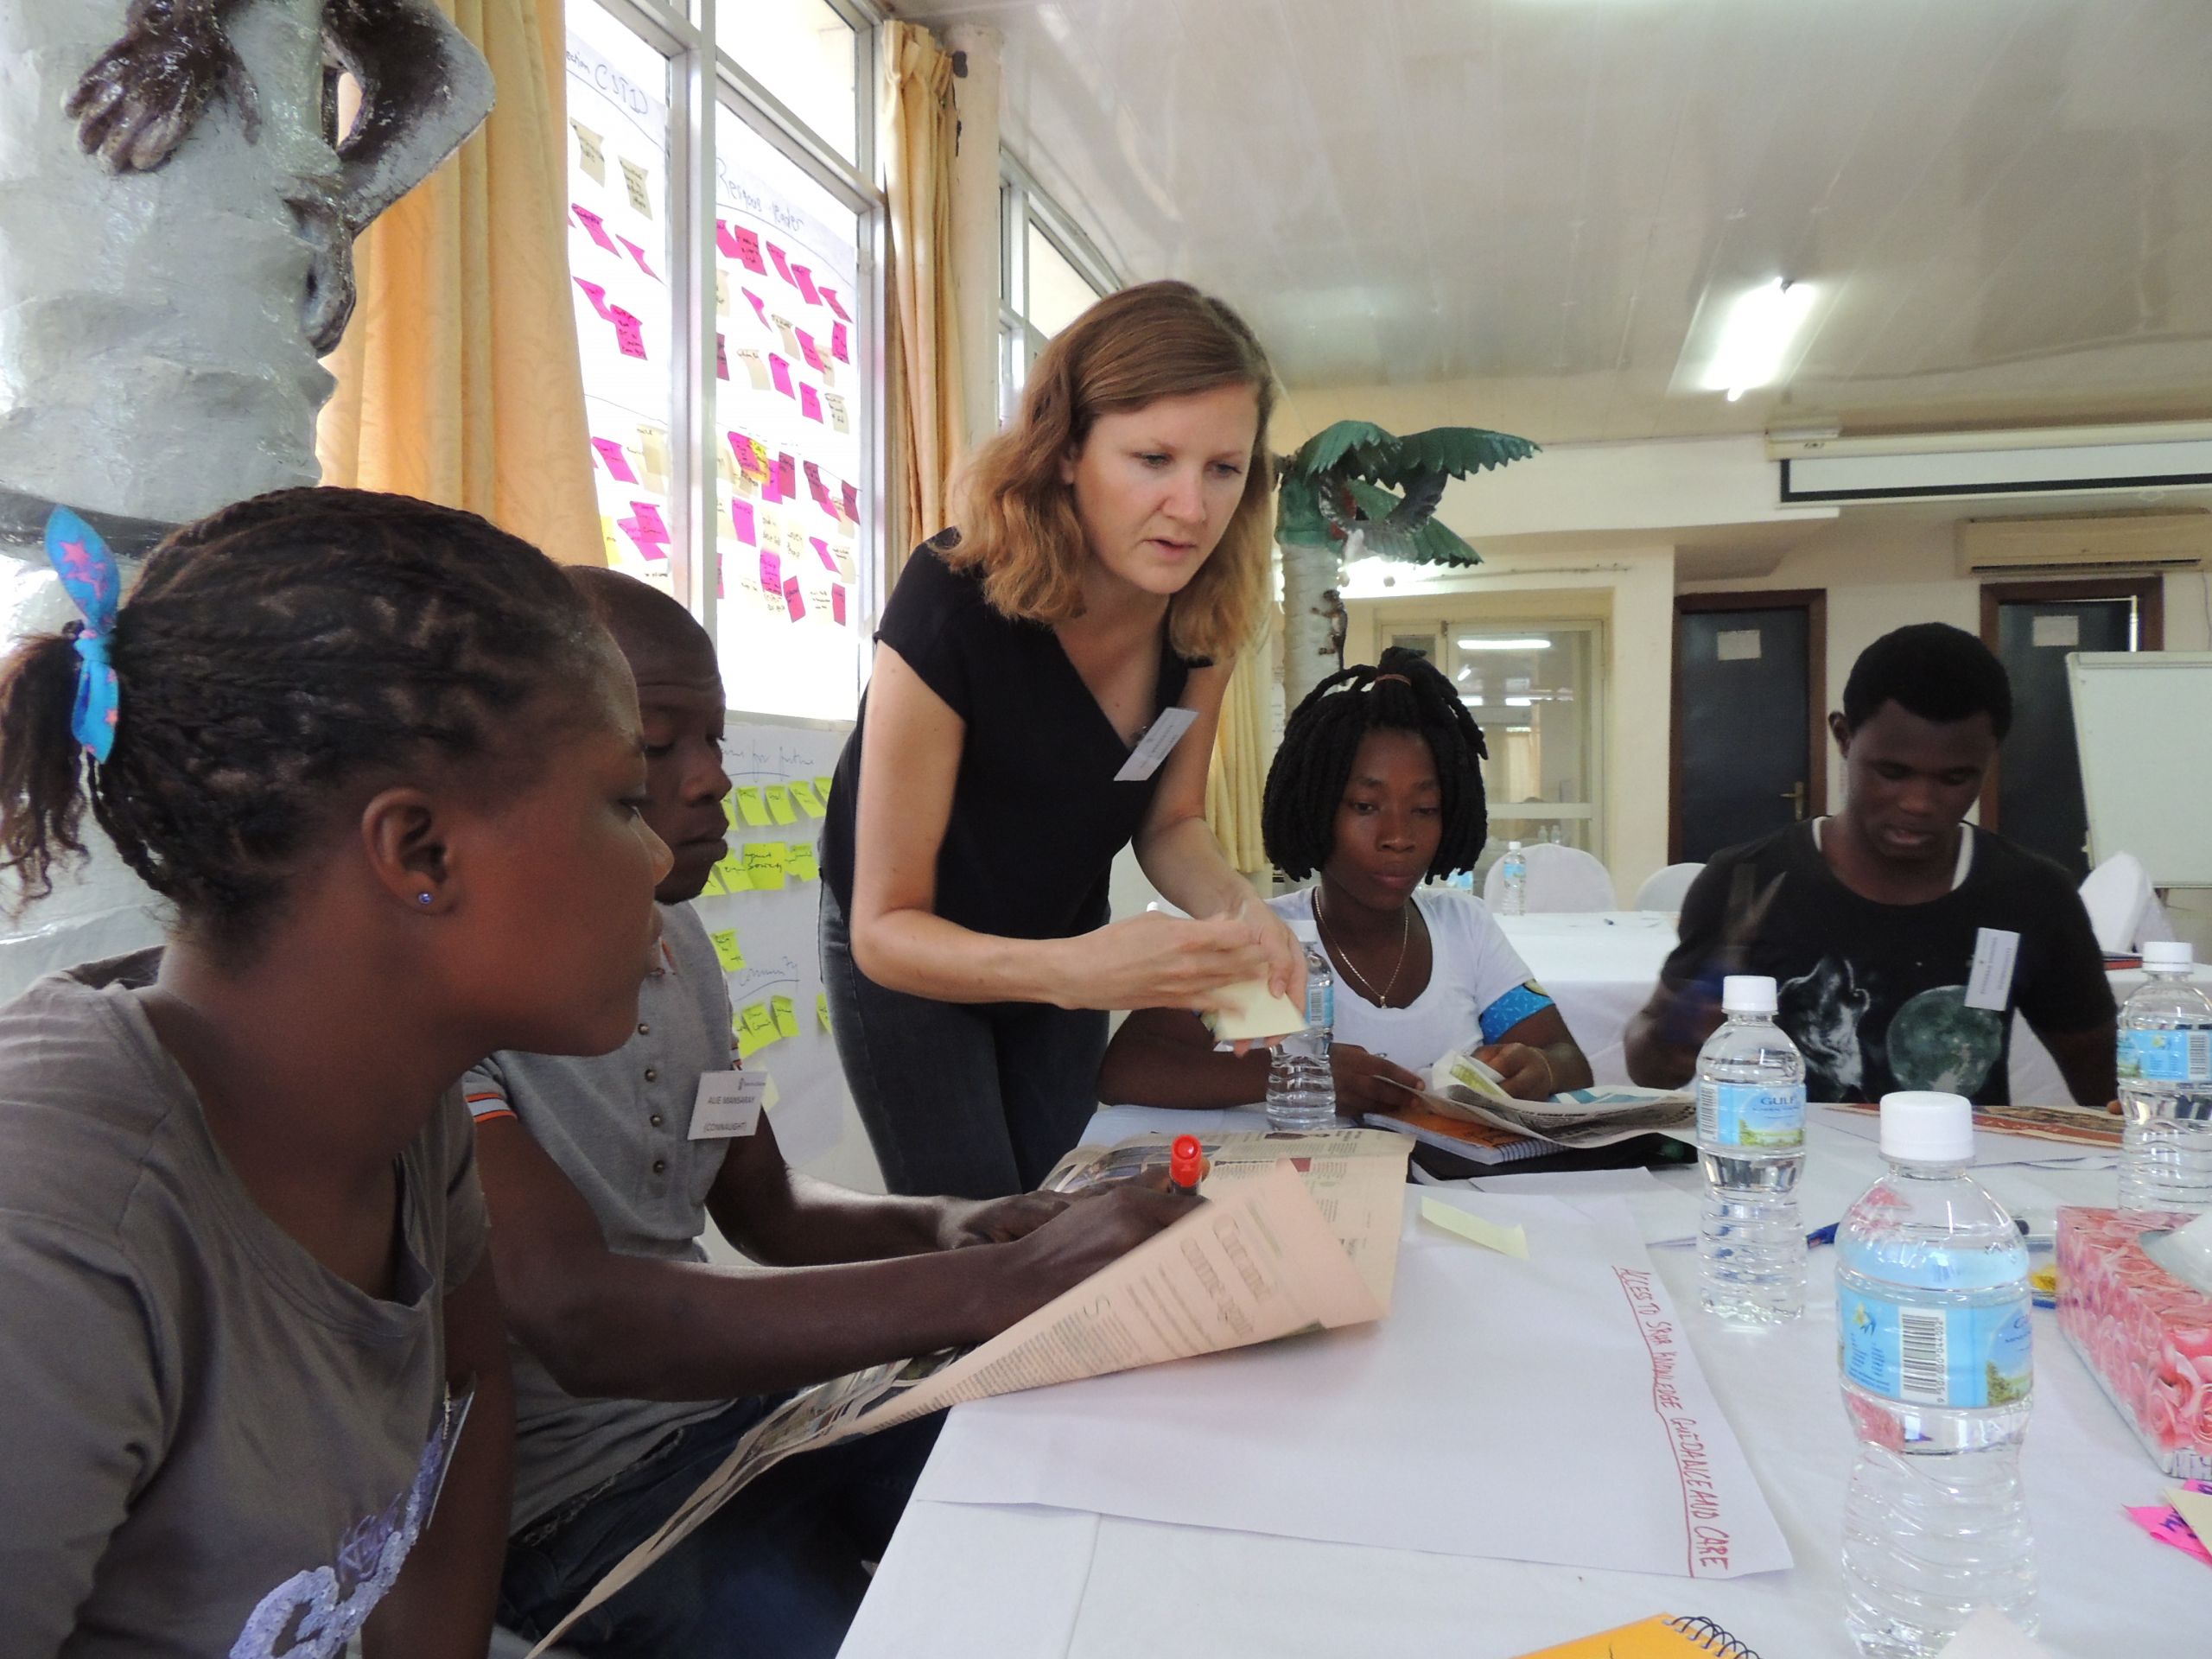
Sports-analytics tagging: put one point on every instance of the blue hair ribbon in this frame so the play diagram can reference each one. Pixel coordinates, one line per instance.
(88, 570)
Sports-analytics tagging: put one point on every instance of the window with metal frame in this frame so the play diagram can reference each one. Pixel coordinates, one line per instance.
(1050, 273)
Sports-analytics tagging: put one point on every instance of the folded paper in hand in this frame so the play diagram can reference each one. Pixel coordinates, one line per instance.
(1248, 1011)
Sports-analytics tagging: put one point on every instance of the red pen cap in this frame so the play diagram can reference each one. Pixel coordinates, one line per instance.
(1186, 1161)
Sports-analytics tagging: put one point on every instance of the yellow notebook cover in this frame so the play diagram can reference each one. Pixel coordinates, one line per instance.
(1664, 1636)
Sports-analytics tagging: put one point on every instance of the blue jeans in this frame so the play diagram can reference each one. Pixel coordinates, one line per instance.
(774, 1573)
(973, 1100)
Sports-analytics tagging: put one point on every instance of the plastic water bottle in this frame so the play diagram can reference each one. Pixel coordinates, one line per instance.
(1750, 1131)
(1513, 882)
(2165, 1088)
(1301, 1089)
(1937, 1351)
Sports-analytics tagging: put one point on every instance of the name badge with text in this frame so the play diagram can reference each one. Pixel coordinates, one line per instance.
(1989, 984)
(730, 1104)
(1153, 747)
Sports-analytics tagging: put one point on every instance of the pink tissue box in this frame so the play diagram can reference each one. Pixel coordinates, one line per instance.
(2145, 1335)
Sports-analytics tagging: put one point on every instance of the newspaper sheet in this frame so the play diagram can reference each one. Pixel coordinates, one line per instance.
(1259, 1260)
(1462, 1087)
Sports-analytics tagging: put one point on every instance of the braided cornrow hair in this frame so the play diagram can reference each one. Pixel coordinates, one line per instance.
(1403, 692)
(270, 653)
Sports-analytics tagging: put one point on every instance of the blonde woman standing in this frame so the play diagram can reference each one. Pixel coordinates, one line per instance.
(1047, 683)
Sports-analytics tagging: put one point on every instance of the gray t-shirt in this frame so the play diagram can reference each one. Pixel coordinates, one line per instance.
(618, 1126)
(212, 1445)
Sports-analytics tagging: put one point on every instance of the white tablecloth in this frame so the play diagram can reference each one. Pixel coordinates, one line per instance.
(1601, 967)
(978, 1582)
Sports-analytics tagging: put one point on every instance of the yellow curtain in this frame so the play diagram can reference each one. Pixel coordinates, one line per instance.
(459, 379)
(1239, 774)
(921, 132)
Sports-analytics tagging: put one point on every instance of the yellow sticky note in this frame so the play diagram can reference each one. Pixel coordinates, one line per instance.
(822, 1009)
(807, 801)
(786, 1017)
(2196, 1508)
(713, 882)
(822, 789)
(731, 872)
(757, 1021)
(1506, 1241)
(1249, 1009)
(726, 950)
(764, 866)
(750, 808)
(779, 804)
(729, 811)
(799, 861)
(748, 1044)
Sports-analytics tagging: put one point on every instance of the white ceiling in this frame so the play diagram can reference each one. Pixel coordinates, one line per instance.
(2007, 205)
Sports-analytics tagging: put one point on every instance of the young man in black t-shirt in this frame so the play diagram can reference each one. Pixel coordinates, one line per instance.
(1901, 939)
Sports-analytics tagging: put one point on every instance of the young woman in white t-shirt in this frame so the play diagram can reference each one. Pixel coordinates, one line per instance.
(1377, 786)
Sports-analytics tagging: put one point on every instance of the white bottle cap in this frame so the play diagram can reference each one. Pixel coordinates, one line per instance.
(1747, 993)
(2168, 953)
(1305, 932)
(1924, 1128)
(1512, 846)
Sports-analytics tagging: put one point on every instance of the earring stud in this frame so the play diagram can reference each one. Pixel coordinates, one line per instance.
(422, 897)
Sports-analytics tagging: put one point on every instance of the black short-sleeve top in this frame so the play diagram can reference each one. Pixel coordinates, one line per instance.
(1037, 816)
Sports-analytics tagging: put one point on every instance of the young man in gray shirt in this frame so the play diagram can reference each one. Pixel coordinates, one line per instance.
(639, 1364)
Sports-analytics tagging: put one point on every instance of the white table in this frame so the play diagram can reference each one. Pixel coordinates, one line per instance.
(978, 1582)
(1600, 967)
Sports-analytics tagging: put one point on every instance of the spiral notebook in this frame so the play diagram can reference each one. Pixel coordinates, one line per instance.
(1664, 1636)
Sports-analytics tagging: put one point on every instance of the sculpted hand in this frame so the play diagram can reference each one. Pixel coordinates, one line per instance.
(143, 95)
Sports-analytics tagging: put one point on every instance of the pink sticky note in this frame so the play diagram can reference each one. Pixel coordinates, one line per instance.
(639, 254)
(769, 491)
(830, 299)
(794, 600)
(650, 546)
(725, 240)
(810, 351)
(629, 333)
(787, 473)
(748, 251)
(748, 458)
(805, 278)
(596, 295)
(772, 574)
(852, 498)
(593, 223)
(837, 603)
(720, 591)
(722, 358)
(822, 549)
(780, 373)
(740, 519)
(759, 307)
(2163, 1523)
(650, 521)
(813, 471)
(617, 462)
(809, 402)
(840, 342)
(783, 265)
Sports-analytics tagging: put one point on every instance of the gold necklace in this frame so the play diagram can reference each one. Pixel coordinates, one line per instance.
(1405, 939)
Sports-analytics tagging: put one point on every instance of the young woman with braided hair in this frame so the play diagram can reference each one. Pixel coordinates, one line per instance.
(1377, 786)
(386, 769)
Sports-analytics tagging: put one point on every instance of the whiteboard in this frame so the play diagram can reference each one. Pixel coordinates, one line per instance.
(2144, 719)
(776, 930)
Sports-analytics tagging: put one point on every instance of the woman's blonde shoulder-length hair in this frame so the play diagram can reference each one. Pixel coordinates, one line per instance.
(1017, 519)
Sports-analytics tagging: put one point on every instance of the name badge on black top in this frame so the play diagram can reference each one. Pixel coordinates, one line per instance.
(1153, 746)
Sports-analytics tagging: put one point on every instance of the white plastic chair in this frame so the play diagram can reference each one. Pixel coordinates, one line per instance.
(1663, 890)
(2117, 896)
(1558, 879)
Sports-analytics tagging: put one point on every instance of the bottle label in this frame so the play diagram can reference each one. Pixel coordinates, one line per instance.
(1770, 1116)
(1320, 1001)
(1963, 1358)
(2177, 1056)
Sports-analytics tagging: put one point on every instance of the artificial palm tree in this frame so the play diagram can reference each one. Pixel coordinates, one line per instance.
(1354, 491)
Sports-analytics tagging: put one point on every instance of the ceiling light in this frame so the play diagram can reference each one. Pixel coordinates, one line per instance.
(1472, 702)
(1529, 644)
(1760, 326)
(1465, 672)
(1520, 702)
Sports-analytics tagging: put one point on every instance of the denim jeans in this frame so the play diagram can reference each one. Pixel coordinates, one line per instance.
(775, 1574)
(975, 1100)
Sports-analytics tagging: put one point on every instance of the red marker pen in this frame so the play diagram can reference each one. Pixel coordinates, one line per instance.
(1186, 1164)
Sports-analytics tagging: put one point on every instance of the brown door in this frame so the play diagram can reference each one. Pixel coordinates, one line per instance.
(1750, 676)
(2033, 794)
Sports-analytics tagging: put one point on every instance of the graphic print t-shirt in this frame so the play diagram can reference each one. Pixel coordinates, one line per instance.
(215, 1444)
(1874, 996)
